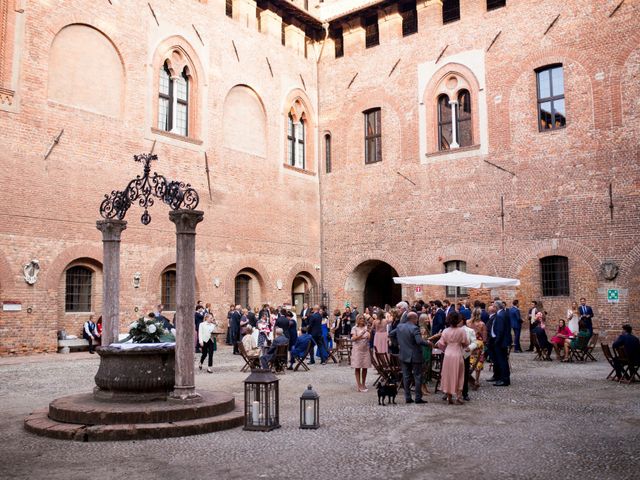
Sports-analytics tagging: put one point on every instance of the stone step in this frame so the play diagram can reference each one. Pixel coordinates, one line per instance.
(85, 409)
(39, 423)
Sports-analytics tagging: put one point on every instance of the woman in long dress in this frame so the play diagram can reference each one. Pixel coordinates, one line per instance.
(452, 342)
(573, 318)
(360, 359)
(381, 338)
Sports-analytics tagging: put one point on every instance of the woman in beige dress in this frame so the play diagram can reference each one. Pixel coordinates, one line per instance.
(453, 341)
(360, 359)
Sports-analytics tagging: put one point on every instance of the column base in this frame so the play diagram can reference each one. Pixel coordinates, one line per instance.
(182, 395)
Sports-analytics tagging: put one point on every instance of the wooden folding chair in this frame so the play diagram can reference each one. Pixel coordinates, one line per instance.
(300, 361)
(279, 361)
(536, 347)
(629, 372)
(379, 370)
(578, 353)
(591, 345)
(344, 349)
(249, 362)
(606, 351)
(436, 368)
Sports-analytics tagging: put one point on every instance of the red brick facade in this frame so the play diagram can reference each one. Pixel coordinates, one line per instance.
(414, 210)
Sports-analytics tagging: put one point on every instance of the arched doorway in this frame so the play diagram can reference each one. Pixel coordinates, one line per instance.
(371, 283)
(303, 290)
(248, 286)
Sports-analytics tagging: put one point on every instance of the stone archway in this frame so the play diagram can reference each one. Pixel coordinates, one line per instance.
(248, 288)
(304, 289)
(371, 283)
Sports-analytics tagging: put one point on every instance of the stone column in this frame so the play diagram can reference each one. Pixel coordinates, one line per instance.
(111, 230)
(186, 221)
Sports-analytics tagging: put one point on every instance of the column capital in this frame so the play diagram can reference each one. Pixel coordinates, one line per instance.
(111, 229)
(186, 220)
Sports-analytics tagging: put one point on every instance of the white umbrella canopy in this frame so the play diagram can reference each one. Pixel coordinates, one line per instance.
(457, 278)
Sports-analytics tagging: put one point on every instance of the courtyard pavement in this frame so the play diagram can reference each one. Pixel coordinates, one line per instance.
(556, 421)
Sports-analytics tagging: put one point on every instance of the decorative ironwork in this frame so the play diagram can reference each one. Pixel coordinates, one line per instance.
(142, 191)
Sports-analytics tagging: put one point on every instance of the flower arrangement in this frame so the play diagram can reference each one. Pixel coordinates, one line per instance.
(148, 330)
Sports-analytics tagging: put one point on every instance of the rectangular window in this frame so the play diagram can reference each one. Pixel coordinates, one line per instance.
(409, 16)
(493, 4)
(372, 136)
(554, 272)
(461, 266)
(338, 43)
(283, 37)
(450, 11)
(78, 290)
(551, 107)
(327, 153)
(168, 290)
(229, 8)
(371, 30)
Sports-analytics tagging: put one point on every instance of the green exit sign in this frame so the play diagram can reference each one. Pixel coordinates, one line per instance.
(613, 295)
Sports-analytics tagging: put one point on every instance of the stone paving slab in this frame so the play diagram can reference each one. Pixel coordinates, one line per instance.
(556, 420)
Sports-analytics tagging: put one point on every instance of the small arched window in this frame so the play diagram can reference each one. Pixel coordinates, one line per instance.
(78, 283)
(327, 153)
(296, 141)
(464, 125)
(168, 290)
(173, 101)
(445, 129)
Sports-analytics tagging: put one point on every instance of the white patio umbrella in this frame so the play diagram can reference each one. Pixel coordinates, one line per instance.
(457, 278)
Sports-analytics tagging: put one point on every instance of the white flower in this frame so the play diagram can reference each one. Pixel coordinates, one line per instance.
(173, 332)
(151, 328)
(133, 325)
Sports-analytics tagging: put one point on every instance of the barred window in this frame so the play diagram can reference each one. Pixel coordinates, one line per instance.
(555, 276)
(168, 290)
(551, 110)
(409, 16)
(450, 267)
(78, 289)
(371, 30)
(450, 10)
(372, 136)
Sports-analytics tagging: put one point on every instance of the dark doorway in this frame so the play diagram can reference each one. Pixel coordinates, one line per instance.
(379, 288)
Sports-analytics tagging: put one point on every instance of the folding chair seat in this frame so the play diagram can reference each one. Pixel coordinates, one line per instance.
(249, 362)
(300, 361)
(279, 361)
(606, 351)
(591, 345)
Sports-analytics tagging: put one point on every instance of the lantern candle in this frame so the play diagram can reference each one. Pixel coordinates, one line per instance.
(308, 415)
(255, 411)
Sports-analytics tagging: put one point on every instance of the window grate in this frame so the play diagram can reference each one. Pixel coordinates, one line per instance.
(554, 273)
(450, 11)
(78, 290)
(168, 290)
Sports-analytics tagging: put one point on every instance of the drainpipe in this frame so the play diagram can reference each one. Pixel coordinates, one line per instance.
(319, 150)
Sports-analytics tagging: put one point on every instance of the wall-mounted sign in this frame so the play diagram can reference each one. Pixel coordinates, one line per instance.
(11, 306)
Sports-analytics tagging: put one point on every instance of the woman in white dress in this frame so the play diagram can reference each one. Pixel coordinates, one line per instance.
(573, 318)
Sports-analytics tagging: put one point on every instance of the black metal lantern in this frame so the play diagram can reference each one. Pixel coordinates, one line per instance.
(309, 409)
(261, 401)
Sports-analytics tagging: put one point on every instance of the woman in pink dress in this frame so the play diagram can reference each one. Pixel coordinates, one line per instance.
(559, 339)
(360, 359)
(381, 338)
(453, 341)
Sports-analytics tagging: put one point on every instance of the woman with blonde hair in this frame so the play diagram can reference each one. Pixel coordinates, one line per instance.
(476, 361)
(360, 358)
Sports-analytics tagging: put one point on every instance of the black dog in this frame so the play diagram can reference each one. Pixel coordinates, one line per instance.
(389, 390)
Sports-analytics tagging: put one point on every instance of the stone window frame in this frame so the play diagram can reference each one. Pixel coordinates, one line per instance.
(180, 59)
(299, 107)
(451, 80)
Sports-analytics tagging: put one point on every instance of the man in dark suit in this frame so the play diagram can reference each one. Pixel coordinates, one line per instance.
(631, 346)
(586, 315)
(531, 314)
(283, 322)
(439, 319)
(234, 327)
(279, 339)
(516, 324)
(300, 347)
(407, 335)
(198, 319)
(448, 308)
(315, 329)
(491, 343)
(403, 307)
(501, 333)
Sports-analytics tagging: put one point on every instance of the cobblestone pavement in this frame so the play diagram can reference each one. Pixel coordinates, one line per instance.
(556, 420)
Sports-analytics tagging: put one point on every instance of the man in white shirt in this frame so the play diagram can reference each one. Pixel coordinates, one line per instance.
(533, 311)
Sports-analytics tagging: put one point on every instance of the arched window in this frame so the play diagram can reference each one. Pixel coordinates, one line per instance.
(327, 153)
(464, 125)
(372, 135)
(168, 290)
(173, 101)
(445, 129)
(296, 139)
(554, 273)
(461, 266)
(551, 108)
(78, 282)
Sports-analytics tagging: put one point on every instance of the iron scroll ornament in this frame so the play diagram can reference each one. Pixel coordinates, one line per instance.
(142, 191)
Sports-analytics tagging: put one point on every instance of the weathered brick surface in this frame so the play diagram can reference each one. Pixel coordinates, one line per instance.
(266, 217)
